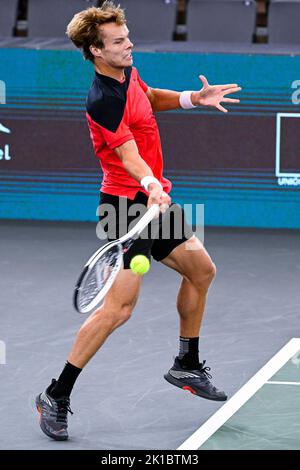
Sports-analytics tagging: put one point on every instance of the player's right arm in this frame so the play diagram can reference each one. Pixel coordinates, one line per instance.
(137, 168)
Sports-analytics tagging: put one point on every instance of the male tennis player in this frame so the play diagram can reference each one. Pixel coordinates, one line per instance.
(126, 140)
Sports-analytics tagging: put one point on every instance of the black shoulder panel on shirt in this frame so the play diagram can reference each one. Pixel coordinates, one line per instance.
(106, 100)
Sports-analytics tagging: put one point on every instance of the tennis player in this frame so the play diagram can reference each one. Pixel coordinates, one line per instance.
(126, 140)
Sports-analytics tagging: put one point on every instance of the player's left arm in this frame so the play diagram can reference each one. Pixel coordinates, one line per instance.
(209, 95)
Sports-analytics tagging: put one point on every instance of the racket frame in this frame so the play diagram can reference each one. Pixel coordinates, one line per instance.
(124, 241)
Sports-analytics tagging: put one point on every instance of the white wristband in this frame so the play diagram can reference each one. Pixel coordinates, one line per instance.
(149, 179)
(185, 100)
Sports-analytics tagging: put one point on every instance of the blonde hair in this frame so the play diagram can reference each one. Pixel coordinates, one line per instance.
(83, 29)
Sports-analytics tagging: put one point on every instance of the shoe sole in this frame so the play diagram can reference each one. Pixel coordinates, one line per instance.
(43, 428)
(187, 388)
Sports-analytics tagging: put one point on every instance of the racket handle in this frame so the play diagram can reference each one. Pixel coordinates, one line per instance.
(153, 211)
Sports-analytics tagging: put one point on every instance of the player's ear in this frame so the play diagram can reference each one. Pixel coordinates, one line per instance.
(96, 51)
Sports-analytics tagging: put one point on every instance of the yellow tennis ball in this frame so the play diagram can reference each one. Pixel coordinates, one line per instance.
(140, 264)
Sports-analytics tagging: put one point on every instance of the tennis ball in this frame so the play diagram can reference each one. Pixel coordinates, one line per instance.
(140, 264)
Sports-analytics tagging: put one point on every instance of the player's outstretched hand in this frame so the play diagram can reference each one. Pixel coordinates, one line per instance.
(214, 95)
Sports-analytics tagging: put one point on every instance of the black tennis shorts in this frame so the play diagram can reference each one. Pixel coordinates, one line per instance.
(117, 215)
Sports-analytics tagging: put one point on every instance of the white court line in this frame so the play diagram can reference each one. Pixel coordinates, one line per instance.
(273, 382)
(240, 397)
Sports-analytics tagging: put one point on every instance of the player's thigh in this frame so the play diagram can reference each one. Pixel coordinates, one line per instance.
(173, 240)
(124, 291)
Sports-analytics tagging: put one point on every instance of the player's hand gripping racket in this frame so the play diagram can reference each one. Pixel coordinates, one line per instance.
(102, 268)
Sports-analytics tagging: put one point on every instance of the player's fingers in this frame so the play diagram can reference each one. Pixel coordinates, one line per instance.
(230, 100)
(165, 198)
(229, 85)
(221, 108)
(164, 202)
(231, 90)
(153, 200)
(163, 207)
(203, 80)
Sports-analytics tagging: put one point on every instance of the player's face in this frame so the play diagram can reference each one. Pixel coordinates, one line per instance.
(117, 50)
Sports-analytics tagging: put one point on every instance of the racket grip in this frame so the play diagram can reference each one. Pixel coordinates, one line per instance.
(153, 211)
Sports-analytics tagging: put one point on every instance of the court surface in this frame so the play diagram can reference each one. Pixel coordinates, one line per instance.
(121, 400)
(267, 410)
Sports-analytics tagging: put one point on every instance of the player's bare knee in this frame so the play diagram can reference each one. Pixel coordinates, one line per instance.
(203, 279)
(213, 271)
(208, 274)
(113, 312)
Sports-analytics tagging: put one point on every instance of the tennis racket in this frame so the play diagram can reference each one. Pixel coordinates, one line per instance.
(102, 268)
